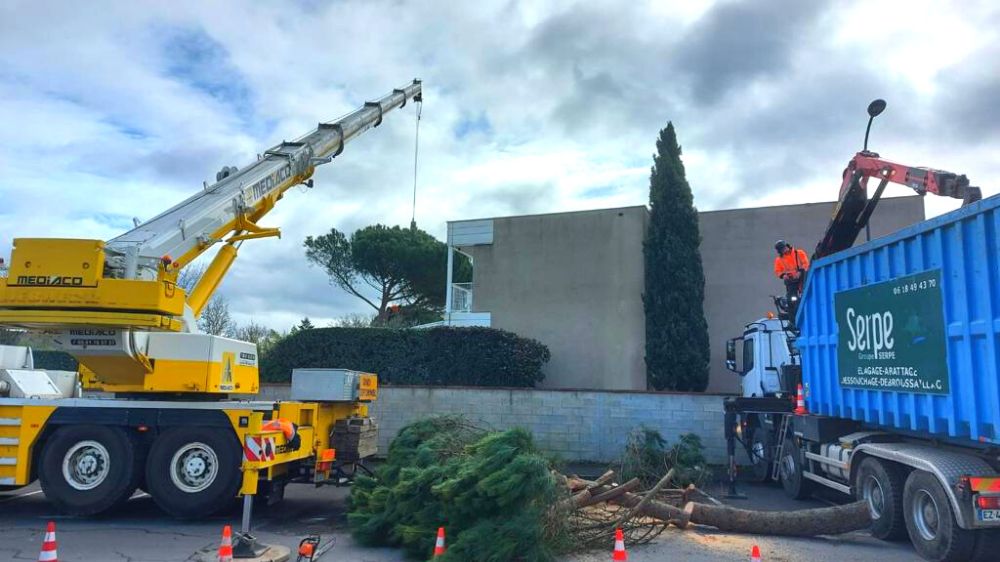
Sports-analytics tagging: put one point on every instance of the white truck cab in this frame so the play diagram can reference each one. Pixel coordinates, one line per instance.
(764, 352)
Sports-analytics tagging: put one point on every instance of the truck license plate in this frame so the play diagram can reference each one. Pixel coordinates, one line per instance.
(989, 514)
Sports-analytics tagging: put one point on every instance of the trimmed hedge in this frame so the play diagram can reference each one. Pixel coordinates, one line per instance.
(437, 356)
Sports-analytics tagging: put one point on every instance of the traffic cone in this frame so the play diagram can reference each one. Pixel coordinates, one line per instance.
(439, 543)
(226, 548)
(800, 402)
(755, 554)
(48, 553)
(619, 553)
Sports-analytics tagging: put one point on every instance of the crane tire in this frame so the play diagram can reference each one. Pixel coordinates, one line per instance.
(194, 473)
(933, 530)
(89, 469)
(881, 484)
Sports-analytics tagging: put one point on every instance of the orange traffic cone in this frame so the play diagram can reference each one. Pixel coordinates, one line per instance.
(439, 543)
(48, 553)
(226, 548)
(800, 402)
(755, 554)
(619, 553)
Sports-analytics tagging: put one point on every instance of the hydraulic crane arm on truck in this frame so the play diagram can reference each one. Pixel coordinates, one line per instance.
(854, 208)
(170, 426)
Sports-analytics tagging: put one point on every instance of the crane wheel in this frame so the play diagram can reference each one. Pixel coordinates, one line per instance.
(194, 473)
(89, 469)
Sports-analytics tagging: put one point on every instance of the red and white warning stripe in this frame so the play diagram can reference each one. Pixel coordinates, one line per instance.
(252, 450)
(256, 449)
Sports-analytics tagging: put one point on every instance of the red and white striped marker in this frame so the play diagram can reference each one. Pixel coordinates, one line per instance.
(755, 554)
(48, 553)
(226, 548)
(619, 553)
(439, 543)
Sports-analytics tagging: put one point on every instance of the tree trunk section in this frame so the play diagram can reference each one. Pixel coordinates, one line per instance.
(799, 523)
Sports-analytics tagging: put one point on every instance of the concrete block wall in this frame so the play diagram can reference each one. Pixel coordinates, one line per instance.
(577, 425)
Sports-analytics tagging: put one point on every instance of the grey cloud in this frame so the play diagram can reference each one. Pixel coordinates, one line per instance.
(619, 67)
(518, 199)
(736, 42)
(607, 65)
(970, 97)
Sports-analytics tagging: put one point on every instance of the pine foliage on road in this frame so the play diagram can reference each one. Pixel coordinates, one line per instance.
(492, 491)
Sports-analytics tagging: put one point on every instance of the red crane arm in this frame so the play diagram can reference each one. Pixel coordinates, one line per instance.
(923, 180)
(854, 208)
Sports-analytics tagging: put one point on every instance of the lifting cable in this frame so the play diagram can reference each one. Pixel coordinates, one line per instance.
(416, 148)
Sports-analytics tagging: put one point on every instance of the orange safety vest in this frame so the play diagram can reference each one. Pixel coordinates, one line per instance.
(791, 262)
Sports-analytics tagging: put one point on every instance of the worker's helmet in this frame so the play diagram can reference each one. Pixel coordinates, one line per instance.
(779, 246)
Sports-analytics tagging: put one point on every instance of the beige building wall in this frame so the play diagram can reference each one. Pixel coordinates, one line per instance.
(574, 282)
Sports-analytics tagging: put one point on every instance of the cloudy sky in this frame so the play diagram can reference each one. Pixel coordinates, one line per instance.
(114, 110)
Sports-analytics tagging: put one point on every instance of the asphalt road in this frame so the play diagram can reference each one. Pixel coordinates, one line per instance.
(140, 532)
(703, 544)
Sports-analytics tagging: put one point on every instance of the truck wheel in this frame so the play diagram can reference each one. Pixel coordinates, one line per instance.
(790, 472)
(880, 484)
(930, 522)
(761, 454)
(193, 473)
(89, 469)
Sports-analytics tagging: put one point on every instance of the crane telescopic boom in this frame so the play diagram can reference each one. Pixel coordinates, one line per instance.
(130, 281)
(239, 197)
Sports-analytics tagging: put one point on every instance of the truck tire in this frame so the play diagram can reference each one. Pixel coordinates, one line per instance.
(933, 530)
(880, 484)
(89, 469)
(194, 473)
(761, 454)
(790, 472)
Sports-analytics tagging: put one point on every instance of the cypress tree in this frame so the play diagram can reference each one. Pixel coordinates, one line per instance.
(676, 331)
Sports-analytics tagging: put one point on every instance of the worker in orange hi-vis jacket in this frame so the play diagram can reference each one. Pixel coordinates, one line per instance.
(790, 266)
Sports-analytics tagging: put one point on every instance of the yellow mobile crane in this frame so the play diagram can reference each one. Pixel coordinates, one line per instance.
(169, 425)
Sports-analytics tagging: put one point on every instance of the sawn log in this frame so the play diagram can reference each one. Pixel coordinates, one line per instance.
(799, 523)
